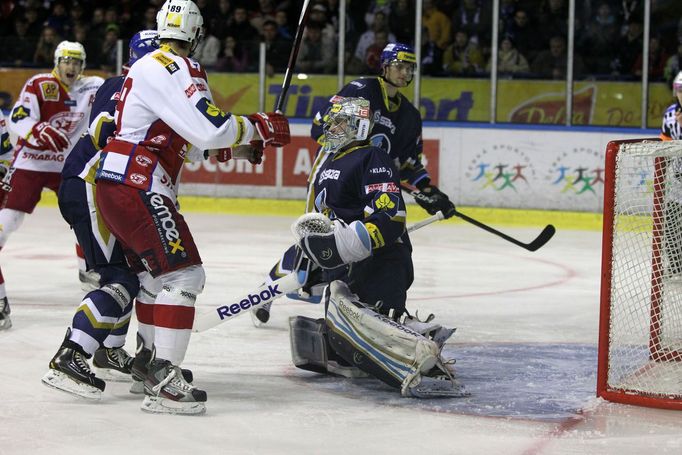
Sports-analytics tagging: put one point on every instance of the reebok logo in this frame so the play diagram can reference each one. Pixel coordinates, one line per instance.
(227, 311)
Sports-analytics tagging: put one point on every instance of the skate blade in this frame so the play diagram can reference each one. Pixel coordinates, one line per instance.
(158, 405)
(137, 387)
(62, 382)
(5, 324)
(110, 374)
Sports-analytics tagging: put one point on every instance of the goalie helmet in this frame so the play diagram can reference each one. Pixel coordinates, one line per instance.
(347, 120)
(69, 49)
(142, 43)
(180, 20)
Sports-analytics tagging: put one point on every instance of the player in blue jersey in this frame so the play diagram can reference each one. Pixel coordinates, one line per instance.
(100, 324)
(397, 131)
(366, 257)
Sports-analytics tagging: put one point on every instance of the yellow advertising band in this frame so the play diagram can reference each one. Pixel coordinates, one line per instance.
(293, 208)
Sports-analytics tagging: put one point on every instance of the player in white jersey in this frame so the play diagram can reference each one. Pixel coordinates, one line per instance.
(166, 116)
(6, 156)
(49, 116)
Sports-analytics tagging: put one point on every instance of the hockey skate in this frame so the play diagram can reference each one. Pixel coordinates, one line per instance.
(113, 364)
(69, 372)
(5, 321)
(140, 367)
(167, 392)
(89, 280)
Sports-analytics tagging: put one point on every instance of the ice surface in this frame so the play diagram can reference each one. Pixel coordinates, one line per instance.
(525, 347)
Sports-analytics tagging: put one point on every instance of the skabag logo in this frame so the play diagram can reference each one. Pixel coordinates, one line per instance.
(501, 168)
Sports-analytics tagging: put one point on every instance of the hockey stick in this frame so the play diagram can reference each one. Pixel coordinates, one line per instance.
(539, 241)
(265, 293)
(279, 104)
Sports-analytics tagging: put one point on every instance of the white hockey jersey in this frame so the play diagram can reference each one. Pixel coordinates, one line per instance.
(166, 116)
(45, 99)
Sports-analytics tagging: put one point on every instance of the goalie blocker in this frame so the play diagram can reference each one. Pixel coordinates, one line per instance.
(355, 341)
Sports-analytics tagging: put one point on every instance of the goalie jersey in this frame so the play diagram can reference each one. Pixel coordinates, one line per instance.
(360, 183)
(397, 127)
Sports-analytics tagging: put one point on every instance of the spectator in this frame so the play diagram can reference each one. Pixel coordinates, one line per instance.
(58, 19)
(510, 60)
(673, 65)
(432, 56)
(553, 19)
(373, 56)
(208, 49)
(98, 26)
(108, 48)
(376, 6)
(318, 15)
(628, 48)
(315, 56)
(34, 22)
(277, 49)
(447, 7)
(522, 31)
(283, 27)
(551, 63)
(401, 21)
(366, 40)
(264, 12)
(220, 21)
(598, 39)
(149, 19)
(77, 17)
(235, 58)
(239, 25)
(657, 60)
(474, 19)
(628, 11)
(437, 23)
(21, 48)
(47, 44)
(463, 57)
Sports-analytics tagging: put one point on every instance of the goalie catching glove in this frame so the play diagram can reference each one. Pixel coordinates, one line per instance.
(332, 244)
(272, 127)
(49, 137)
(431, 199)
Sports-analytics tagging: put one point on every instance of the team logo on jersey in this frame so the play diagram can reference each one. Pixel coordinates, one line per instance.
(167, 63)
(20, 113)
(67, 121)
(382, 170)
(329, 174)
(138, 179)
(143, 161)
(191, 90)
(384, 201)
(387, 187)
(381, 141)
(212, 112)
(50, 90)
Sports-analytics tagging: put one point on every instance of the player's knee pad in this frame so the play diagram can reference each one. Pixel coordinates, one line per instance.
(10, 220)
(383, 348)
(118, 281)
(149, 287)
(183, 286)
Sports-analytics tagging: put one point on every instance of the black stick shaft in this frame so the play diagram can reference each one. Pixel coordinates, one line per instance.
(279, 104)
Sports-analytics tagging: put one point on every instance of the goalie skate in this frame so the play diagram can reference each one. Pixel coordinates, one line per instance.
(113, 364)
(167, 392)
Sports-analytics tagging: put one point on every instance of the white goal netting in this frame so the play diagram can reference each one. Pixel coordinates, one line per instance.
(645, 310)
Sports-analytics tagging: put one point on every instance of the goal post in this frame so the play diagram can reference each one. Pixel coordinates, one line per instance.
(640, 325)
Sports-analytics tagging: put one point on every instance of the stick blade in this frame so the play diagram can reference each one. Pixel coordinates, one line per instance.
(544, 237)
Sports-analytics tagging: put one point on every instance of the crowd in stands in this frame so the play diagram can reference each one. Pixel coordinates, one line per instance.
(456, 35)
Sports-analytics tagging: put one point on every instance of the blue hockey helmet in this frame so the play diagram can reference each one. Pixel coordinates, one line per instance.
(143, 42)
(398, 53)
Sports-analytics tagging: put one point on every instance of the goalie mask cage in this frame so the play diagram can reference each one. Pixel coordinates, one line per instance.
(640, 326)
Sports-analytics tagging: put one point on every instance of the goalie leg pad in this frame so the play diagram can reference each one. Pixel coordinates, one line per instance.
(391, 352)
(310, 351)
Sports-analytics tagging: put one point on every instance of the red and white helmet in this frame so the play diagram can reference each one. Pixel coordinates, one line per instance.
(180, 20)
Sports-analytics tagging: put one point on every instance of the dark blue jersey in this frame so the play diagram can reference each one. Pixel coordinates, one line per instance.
(101, 127)
(397, 126)
(361, 183)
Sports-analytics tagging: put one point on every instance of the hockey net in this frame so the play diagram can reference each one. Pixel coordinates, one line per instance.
(640, 333)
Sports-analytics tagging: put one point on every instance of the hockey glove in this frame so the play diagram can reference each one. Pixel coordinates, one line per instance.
(431, 199)
(346, 243)
(272, 127)
(50, 137)
(222, 155)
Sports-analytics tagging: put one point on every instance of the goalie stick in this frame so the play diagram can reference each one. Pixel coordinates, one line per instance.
(207, 319)
(542, 238)
(279, 104)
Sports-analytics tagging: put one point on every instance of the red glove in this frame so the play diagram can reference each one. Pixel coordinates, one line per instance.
(272, 127)
(224, 155)
(50, 137)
